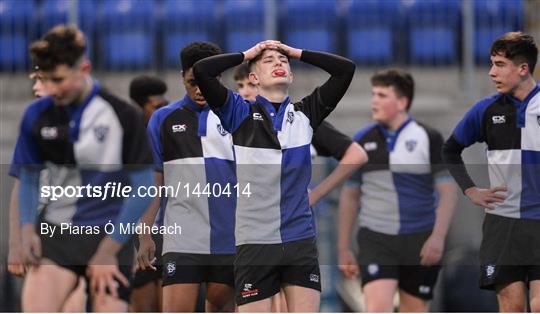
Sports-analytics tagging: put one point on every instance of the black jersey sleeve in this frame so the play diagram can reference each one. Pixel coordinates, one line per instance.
(329, 142)
(451, 155)
(325, 98)
(136, 151)
(206, 72)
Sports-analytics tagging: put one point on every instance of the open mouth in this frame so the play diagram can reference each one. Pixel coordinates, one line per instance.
(279, 73)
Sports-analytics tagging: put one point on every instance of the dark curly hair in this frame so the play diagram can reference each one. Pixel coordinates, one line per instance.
(196, 51)
(144, 86)
(60, 45)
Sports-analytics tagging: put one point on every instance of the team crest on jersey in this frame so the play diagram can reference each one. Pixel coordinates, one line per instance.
(171, 268)
(221, 130)
(101, 132)
(410, 145)
(290, 117)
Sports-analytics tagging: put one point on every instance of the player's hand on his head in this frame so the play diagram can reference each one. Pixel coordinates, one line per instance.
(347, 263)
(105, 275)
(294, 53)
(432, 250)
(15, 260)
(486, 197)
(30, 245)
(258, 48)
(145, 253)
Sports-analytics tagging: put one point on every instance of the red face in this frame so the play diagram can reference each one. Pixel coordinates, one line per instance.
(246, 89)
(64, 84)
(38, 88)
(386, 104)
(272, 69)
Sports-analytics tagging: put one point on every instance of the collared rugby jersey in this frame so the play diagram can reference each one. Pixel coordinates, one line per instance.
(272, 146)
(397, 183)
(511, 130)
(192, 148)
(272, 150)
(92, 143)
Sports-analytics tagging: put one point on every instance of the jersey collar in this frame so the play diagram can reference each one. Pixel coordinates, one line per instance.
(392, 136)
(277, 118)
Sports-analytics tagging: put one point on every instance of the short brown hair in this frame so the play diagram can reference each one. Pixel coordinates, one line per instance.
(401, 80)
(259, 56)
(518, 47)
(60, 45)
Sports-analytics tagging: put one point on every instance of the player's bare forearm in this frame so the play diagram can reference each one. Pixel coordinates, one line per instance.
(150, 216)
(445, 209)
(14, 227)
(354, 158)
(347, 210)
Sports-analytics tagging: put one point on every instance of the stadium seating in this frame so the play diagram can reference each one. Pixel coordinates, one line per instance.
(139, 34)
(16, 24)
(54, 12)
(127, 33)
(184, 22)
(494, 18)
(309, 24)
(244, 24)
(433, 31)
(370, 29)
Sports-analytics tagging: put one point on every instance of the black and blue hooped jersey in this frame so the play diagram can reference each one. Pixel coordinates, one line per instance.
(511, 130)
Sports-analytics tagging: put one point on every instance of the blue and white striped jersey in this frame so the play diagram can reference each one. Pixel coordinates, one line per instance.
(511, 130)
(397, 183)
(192, 149)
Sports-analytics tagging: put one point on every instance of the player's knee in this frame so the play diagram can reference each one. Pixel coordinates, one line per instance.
(535, 305)
(510, 302)
(417, 306)
(220, 300)
(379, 305)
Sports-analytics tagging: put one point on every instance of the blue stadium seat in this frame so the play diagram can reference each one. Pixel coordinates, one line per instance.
(370, 28)
(127, 33)
(184, 22)
(433, 31)
(16, 26)
(244, 22)
(310, 24)
(54, 12)
(494, 18)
